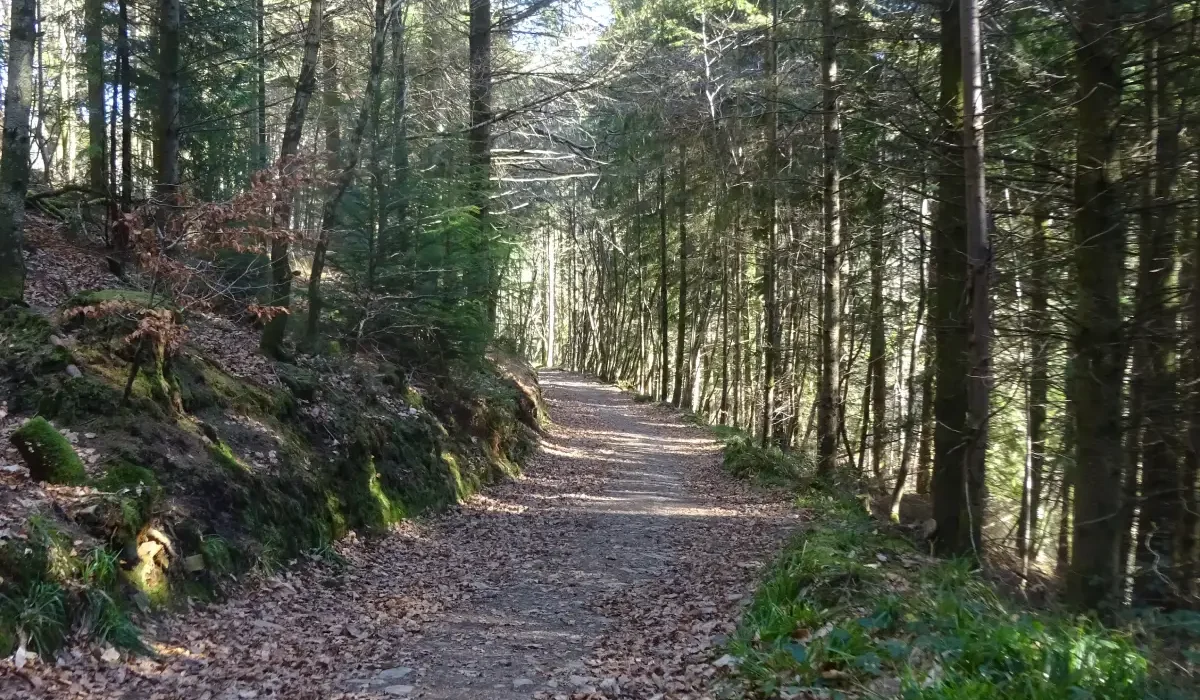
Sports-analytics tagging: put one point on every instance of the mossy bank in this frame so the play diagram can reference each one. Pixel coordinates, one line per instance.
(194, 475)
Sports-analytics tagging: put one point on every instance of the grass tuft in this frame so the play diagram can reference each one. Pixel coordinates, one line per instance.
(850, 608)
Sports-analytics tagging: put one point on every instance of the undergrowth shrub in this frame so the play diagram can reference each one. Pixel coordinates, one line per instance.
(745, 458)
(49, 589)
(849, 606)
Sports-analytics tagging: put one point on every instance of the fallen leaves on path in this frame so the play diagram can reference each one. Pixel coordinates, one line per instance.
(612, 569)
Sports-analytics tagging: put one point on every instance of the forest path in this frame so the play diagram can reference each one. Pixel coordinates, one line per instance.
(610, 569)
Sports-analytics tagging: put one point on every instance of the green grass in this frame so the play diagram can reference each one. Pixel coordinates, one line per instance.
(746, 458)
(848, 608)
(38, 614)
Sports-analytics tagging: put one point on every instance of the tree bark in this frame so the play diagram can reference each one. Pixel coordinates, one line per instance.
(677, 396)
(951, 312)
(1099, 266)
(167, 146)
(1158, 578)
(481, 278)
(125, 77)
(831, 224)
(262, 151)
(878, 358)
(14, 161)
(1039, 359)
(979, 261)
(663, 318)
(281, 268)
(330, 212)
(93, 37)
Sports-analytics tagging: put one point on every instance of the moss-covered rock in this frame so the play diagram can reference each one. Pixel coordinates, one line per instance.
(302, 383)
(47, 453)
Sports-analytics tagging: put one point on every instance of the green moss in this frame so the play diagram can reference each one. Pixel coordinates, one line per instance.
(47, 453)
(225, 457)
(413, 397)
(337, 518)
(302, 383)
(148, 578)
(139, 493)
(127, 476)
(230, 391)
(218, 555)
(74, 398)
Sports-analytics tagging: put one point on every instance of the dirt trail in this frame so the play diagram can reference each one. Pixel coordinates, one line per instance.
(611, 569)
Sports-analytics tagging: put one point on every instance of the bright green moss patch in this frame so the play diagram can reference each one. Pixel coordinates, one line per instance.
(47, 453)
(225, 457)
(849, 607)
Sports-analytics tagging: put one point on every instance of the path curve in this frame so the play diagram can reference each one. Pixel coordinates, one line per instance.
(612, 568)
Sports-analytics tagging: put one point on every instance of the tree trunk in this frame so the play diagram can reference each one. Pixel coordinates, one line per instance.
(663, 317)
(1099, 266)
(831, 224)
(332, 208)
(331, 99)
(919, 338)
(261, 151)
(681, 316)
(399, 185)
(1039, 359)
(14, 161)
(1190, 511)
(93, 37)
(979, 261)
(950, 509)
(167, 146)
(1157, 582)
(878, 359)
(281, 268)
(125, 77)
(481, 279)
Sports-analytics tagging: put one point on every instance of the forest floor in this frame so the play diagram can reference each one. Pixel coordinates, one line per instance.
(615, 567)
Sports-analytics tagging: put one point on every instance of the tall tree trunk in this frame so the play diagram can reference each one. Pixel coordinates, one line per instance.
(1157, 582)
(878, 358)
(1099, 266)
(831, 224)
(770, 344)
(93, 37)
(677, 397)
(399, 184)
(331, 99)
(167, 145)
(979, 261)
(1039, 359)
(1189, 557)
(14, 161)
(551, 296)
(950, 308)
(663, 317)
(481, 278)
(125, 78)
(332, 208)
(910, 426)
(293, 129)
(261, 151)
